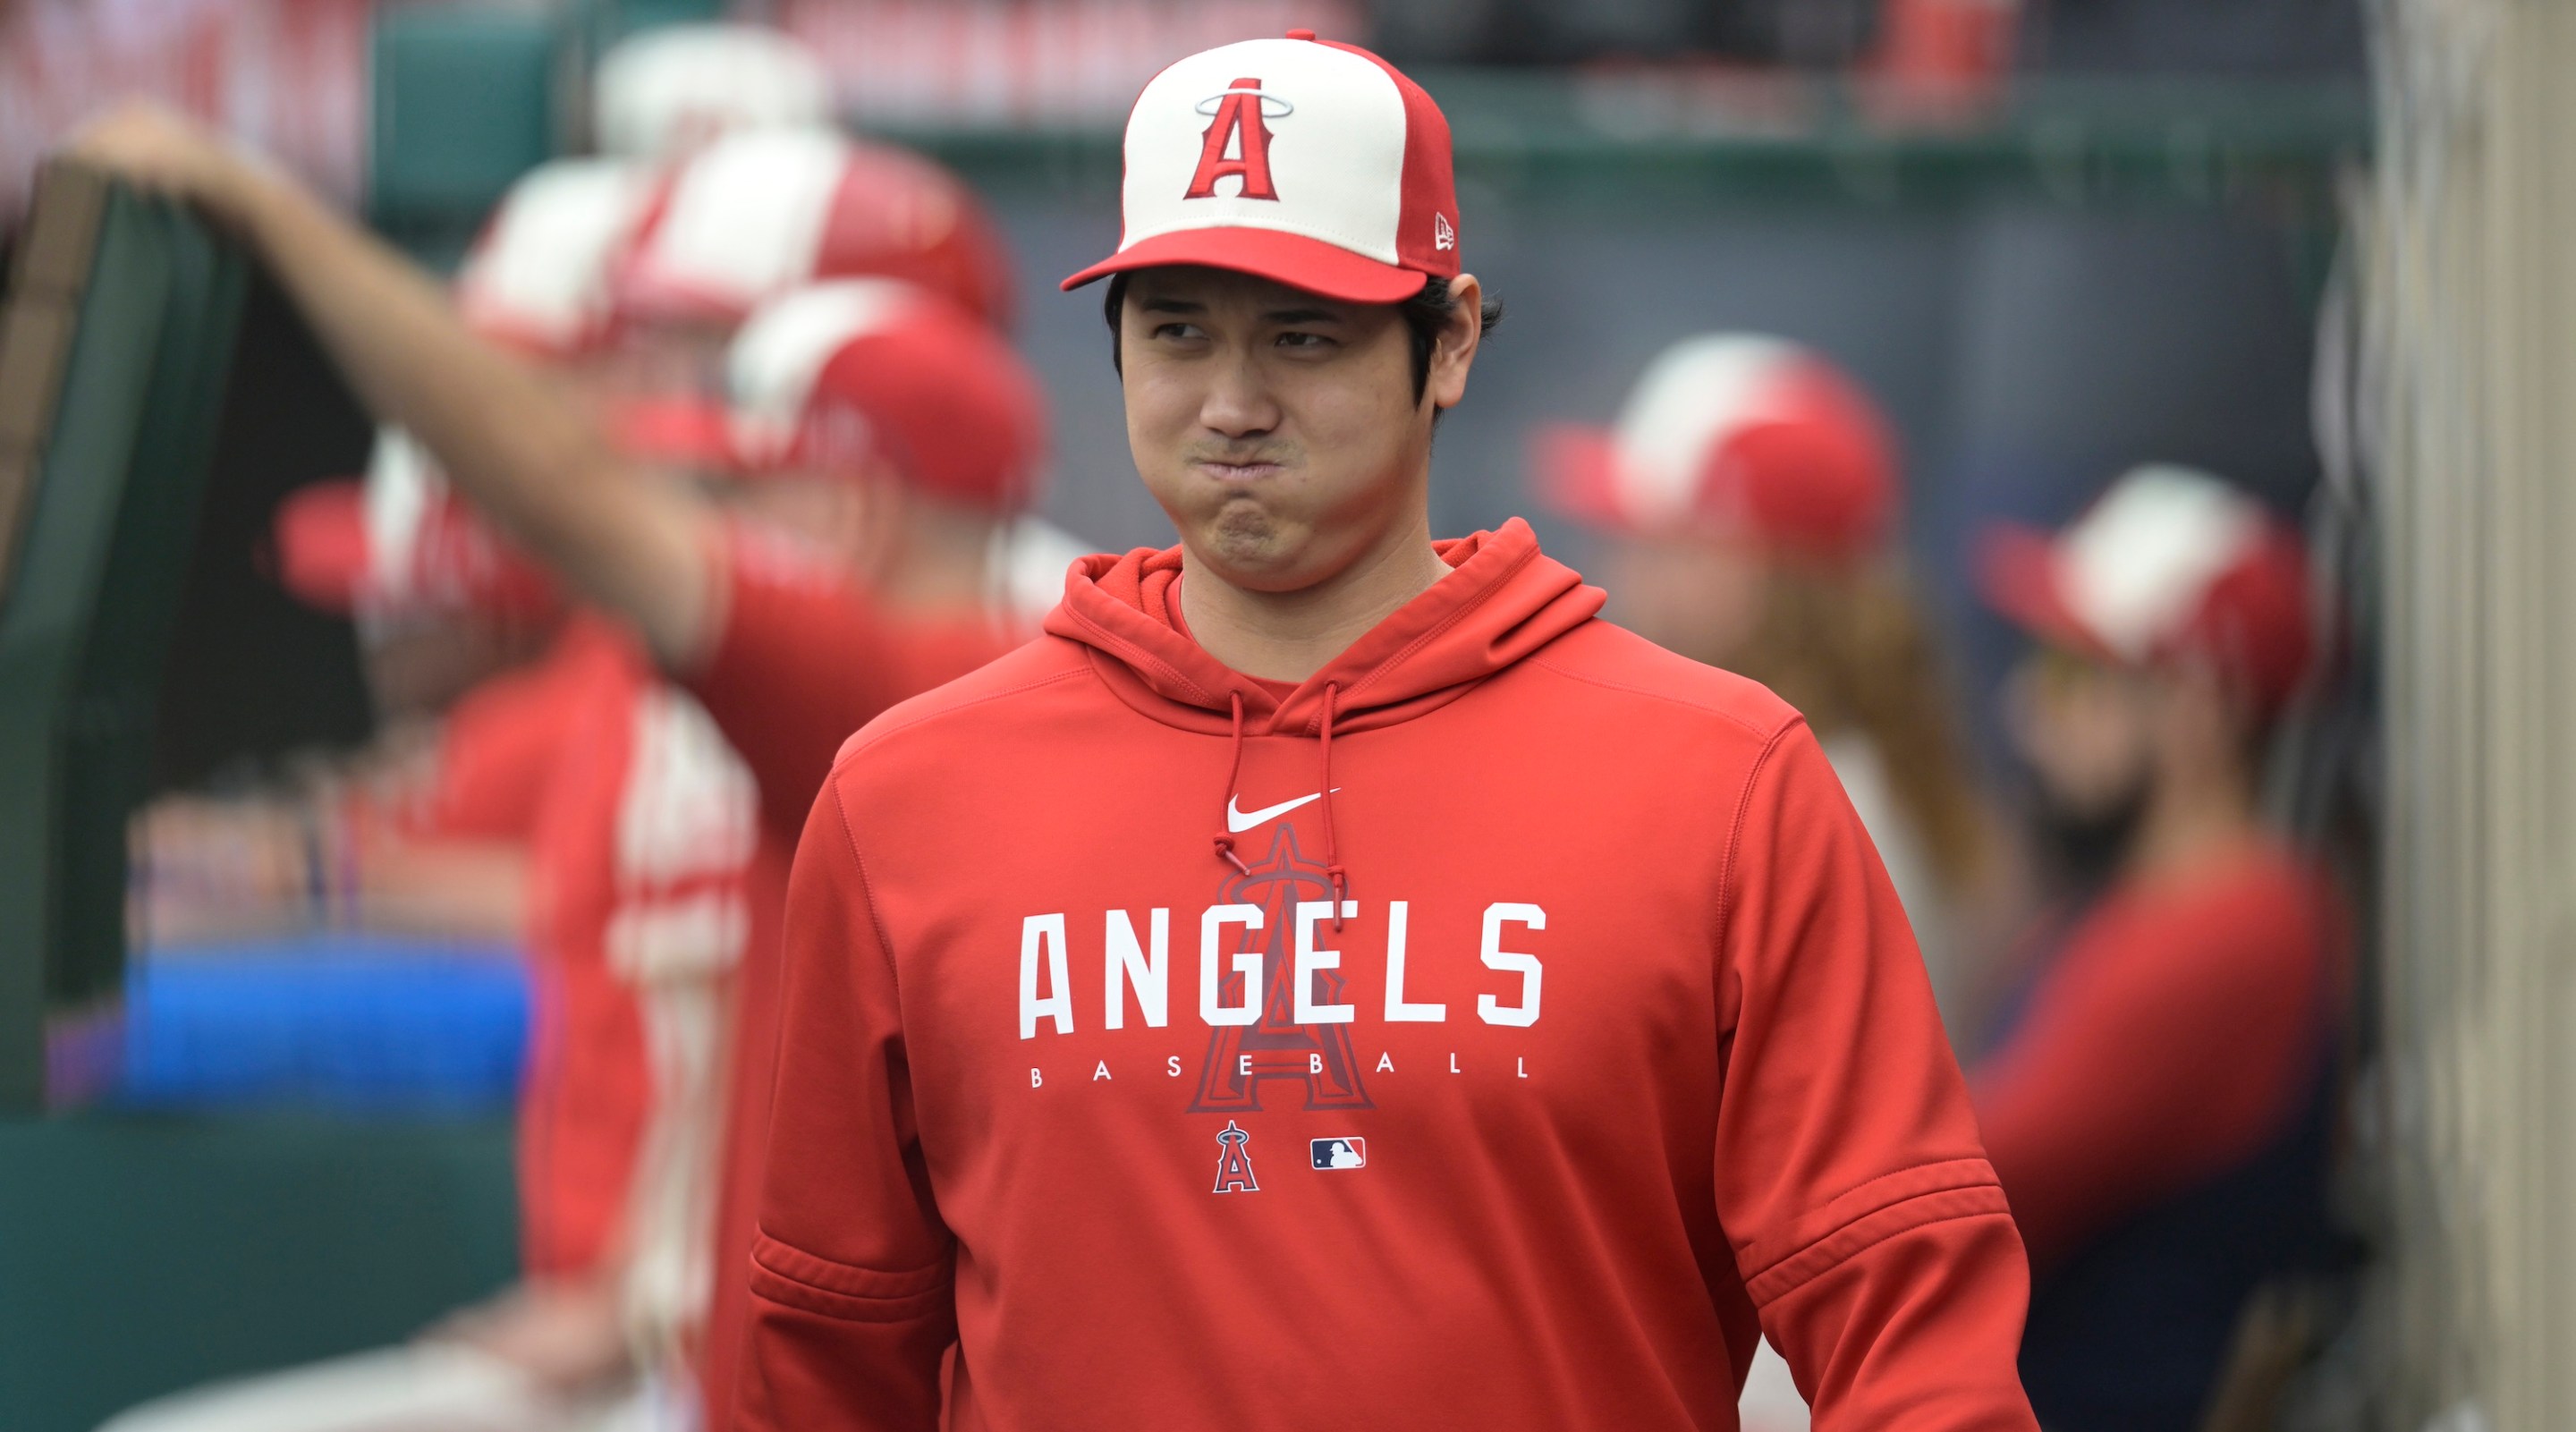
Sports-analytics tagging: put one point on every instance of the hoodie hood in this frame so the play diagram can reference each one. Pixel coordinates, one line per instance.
(1502, 600)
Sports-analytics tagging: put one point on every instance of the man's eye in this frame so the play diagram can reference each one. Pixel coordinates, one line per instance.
(1303, 340)
(1176, 330)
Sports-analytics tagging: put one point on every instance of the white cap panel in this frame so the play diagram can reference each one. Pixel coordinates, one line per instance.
(771, 368)
(542, 267)
(401, 486)
(666, 91)
(746, 216)
(1692, 393)
(2138, 563)
(1336, 147)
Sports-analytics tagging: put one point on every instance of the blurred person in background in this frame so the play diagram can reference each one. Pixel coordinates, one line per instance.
(663, 877)
(889, 573)
(471, 667)
(757, 211)
(1748, 496)
(2160, 1095)
(947, 556)
(655, 875)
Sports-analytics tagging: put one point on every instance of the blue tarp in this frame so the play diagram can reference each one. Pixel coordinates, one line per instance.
(355, 1023)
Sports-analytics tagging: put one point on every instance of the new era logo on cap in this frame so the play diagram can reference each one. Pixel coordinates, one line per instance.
(1315, 164)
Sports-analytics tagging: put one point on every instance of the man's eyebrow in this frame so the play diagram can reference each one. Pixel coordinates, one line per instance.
(1170, 305)
(1302, 315)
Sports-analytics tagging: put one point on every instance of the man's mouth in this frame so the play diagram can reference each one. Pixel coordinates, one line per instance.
(1229, 470)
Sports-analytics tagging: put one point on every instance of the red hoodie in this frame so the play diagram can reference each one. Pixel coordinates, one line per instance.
(1616, 1048)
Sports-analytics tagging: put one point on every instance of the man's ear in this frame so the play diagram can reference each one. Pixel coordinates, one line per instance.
(1455, 350)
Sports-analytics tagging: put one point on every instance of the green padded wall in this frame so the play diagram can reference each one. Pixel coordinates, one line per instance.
(142, 1256)
(119, 332)
(464, 99)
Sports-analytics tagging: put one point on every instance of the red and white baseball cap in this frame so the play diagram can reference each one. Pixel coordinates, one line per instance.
(399, 544)
(2170, 564)
(839, 375)
(537, 277)
(1309, 162)
(663, 92)
(761, 212)
(1735, 434)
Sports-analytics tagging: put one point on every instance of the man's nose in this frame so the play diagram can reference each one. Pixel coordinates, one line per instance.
(1239, 403)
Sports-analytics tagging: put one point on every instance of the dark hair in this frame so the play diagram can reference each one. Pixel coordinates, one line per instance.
(1425, 315)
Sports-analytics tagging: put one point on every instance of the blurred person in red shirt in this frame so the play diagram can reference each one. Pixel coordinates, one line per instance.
(466, 655)
(471, 667)
(2159, 1098)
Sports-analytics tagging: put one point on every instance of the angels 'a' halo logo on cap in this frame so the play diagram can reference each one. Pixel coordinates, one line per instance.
(1237, 143)
(1308, 162)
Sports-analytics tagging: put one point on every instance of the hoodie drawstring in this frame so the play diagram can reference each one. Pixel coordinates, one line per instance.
(1333, 870)
(1233, 772)
(1332, 851)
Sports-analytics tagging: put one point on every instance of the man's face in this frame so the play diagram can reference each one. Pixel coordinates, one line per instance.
(1700, 596)
(1278, 429)
(2086, 730)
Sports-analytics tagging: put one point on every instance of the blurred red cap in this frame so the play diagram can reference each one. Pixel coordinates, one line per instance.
(761, 212)
(336, 555)
(1735, 433)
(2169, 565)
(667, 90)
(399, 542)
(832, 376)
(537, 276)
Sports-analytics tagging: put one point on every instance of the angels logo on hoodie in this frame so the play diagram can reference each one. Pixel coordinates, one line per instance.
(1241, 1057)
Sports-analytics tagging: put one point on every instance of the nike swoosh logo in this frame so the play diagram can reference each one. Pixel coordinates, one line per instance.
(1239, 821)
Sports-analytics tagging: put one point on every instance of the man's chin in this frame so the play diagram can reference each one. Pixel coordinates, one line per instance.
(1257, 553)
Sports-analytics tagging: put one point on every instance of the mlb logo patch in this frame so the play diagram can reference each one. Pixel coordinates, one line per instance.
(1339, 1153)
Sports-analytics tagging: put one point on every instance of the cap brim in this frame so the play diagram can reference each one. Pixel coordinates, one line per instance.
(1574, 473)
(2016, 573)
(320, 533)
(1312, 265)
(688, 431)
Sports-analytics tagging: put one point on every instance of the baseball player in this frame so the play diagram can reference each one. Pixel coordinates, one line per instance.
(432, 839)
(2159, 1102)
(1573, 945)
(1332, 979)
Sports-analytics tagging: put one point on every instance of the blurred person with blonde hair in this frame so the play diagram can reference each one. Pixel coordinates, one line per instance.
(2159, 1100)
(1748, 494)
